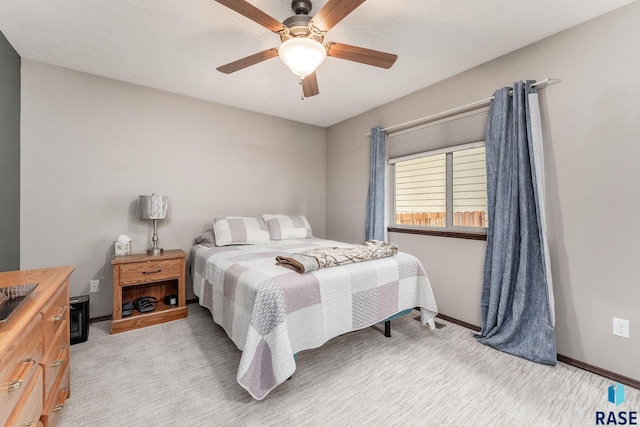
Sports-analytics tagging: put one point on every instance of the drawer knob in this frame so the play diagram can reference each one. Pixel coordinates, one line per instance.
(152, 272)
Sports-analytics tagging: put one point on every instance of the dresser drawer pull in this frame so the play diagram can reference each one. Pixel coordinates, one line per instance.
(60, 315)
(63, 397)
(16, 384)
(61, 357)
(152, 272)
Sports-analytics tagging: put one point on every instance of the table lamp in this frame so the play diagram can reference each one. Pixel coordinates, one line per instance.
(153, 207)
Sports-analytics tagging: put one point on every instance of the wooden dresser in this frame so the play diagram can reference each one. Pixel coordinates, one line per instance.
(34, 349)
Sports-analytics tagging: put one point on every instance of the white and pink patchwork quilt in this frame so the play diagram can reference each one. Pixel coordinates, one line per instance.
(271, 312)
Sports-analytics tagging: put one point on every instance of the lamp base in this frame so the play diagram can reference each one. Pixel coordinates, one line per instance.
(155, 251)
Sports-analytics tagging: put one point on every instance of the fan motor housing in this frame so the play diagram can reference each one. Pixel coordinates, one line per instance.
(298, 26)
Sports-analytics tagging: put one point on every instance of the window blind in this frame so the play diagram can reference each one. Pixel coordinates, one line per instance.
(460, 129)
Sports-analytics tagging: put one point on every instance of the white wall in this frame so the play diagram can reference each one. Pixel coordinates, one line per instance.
(91, 145)
(591, 137)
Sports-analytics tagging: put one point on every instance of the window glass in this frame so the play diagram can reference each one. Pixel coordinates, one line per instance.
(445, 189)
(469, 188)
(420, 191)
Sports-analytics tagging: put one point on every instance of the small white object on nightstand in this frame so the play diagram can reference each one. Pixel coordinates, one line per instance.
(123, 245)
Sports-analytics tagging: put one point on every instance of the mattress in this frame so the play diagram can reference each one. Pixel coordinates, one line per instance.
(271, 312)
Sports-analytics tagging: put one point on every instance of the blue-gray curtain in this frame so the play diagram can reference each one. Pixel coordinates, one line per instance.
(374, 227)
(517, 295)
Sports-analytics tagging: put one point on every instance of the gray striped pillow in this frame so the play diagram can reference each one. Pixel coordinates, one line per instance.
(239, 230)
(283, 227)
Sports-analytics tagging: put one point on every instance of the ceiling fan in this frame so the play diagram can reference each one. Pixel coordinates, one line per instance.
(302, 36)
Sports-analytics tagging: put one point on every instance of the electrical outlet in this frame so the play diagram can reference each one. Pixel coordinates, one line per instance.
(621, 327)
(94, 285)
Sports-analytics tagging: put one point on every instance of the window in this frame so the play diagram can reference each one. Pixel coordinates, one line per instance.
(439, 175)
(443, 190)
(469, 188)
(420, 191)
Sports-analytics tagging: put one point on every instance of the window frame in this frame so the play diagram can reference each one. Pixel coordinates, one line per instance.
(449, 230)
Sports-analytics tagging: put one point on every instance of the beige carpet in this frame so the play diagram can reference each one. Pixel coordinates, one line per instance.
(183, 373)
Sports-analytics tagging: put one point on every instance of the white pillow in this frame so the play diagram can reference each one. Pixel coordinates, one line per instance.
(283, 227)
(238, 230)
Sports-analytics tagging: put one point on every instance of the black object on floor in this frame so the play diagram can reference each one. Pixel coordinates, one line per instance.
(79, 319)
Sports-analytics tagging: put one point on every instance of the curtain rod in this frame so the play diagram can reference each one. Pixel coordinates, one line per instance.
(456, 110)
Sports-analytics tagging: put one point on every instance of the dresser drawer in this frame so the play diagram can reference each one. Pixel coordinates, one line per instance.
(149, 271)
(56, 359)
(55, 314)
(18, 365)
(28, 409)
(57, 398)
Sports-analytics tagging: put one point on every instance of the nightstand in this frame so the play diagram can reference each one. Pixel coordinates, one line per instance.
(157, 276)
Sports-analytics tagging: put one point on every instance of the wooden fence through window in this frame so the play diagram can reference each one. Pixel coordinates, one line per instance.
(437, 219)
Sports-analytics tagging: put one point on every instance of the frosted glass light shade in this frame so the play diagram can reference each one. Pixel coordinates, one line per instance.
(302, 55)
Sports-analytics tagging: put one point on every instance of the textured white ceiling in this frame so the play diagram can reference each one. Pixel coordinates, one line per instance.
(176, 45)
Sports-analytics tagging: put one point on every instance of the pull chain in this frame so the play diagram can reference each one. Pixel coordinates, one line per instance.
(301, 89)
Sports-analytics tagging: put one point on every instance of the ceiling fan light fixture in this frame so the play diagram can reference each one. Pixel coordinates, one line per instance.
(302, 55)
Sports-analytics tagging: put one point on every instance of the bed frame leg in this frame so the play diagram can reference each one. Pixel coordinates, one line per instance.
(387, 328)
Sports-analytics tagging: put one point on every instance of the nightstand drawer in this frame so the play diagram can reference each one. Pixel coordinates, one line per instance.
(149, 271)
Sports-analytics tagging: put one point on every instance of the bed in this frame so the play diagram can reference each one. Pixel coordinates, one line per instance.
(271, 312)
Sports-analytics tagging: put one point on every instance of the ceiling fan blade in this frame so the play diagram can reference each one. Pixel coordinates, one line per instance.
(310, 85)
(333, 12)
(360, 54)
(250, 11)
(247, 61)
